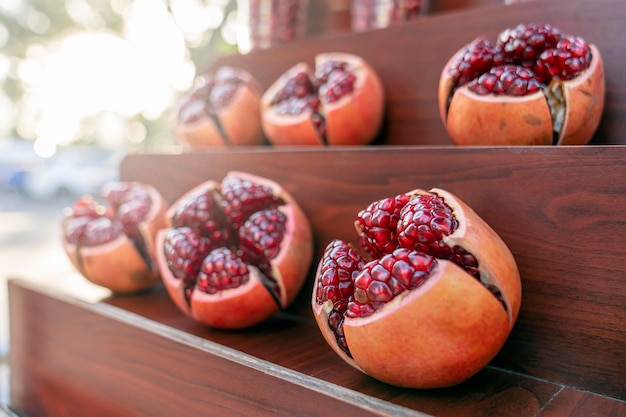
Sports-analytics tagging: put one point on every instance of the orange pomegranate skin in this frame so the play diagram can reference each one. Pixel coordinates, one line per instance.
(354, 119)
(238, 123)
(118, 265)
(475, 120)
(251, 303)
(446, 330)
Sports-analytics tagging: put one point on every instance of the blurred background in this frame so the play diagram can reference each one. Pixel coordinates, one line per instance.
(83, 83)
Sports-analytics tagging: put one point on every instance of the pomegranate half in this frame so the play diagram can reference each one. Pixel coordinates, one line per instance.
(221, 110)
(534, 86)
(235, 252)
(112, 243)
(339, 102)
(428, 301)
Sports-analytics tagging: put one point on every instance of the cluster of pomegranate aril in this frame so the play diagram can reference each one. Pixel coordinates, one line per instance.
(222, 270)
(340, 266)
(376, 225)
(186, 249)
(210, 96)
(213, 94)
(523, 61)
(217, 233)
(404, 237)
(90, 222)
(567, 60)
(525, 42)
(382, 280)
(240, 198)
(512, 80)
(306, 92)
(202, 213)
(479, 56)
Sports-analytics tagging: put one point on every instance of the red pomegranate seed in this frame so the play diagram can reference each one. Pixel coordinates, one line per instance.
(424, 220)
(298, 87)
(523, 43)
(222, 270)
(90, 231)
(567, 60)
(340, 266)
(478, 58)
(304, 92)
(185, 249)
(524, 60)
(377, 225)
(261, 235)
(383, 279)
(202, 212)
(339, 84)
(512, 80)
(209, 97)
(241, 198)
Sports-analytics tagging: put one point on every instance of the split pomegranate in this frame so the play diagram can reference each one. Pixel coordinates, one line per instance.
(535, 85)
(429, 299)
(111, 243)
(221, 110)
(340, 102)
(235, 252)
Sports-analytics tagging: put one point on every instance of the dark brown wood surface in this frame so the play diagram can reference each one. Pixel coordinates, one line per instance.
(560, 210)
(139, 356)
(409, 59)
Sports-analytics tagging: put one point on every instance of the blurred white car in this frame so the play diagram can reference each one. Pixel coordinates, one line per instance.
(70, 176)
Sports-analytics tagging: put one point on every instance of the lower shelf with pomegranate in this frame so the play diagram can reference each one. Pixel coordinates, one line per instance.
(557, 209)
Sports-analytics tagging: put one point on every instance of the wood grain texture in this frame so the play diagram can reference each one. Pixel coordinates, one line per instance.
(71, 361)
(409, 59)
(74, 359)
(560, 210)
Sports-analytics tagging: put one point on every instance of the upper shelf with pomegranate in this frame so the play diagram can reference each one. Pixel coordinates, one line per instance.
(567, 68)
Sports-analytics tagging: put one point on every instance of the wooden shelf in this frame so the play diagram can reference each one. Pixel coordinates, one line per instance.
(409, 58)
(560, 210)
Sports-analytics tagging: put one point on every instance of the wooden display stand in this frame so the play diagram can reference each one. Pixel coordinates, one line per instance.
(560, 210)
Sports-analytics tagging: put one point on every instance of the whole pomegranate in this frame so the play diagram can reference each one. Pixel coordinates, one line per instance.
(221, 110)
(340, 102)
(111, 243)
(236, 252)
(430, 299)
(535, 85)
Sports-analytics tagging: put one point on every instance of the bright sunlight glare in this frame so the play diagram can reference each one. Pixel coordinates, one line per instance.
(96, 72)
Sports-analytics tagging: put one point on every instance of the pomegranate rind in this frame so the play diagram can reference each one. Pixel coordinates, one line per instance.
(236, 308)
(240, 121)
(437, 335)
(498, 120)
(118, 265)
(207, 186)
(446, 330)
(251, 303)
(355, 119)
(584, 96)
(495, 260)
(288, 129)
(290, 267)
(477, 120)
